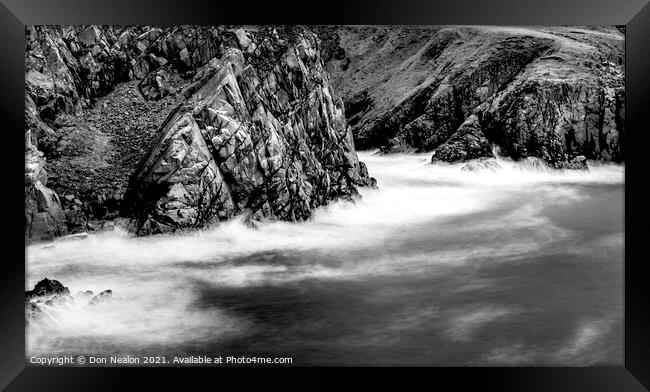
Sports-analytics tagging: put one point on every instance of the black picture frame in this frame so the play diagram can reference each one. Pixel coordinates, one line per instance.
(635, 14)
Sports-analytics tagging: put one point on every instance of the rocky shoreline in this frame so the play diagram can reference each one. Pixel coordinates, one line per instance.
(180, 127)
(161, 129)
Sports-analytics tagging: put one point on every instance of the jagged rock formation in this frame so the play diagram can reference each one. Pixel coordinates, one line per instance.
(106, 102)
(259, 132)
(550, 92)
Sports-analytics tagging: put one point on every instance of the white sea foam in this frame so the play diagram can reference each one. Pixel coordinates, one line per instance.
(474, 217)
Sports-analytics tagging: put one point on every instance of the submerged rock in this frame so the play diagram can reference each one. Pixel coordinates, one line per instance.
(490, 165)
(85, 294)
(533, 163)
(48, 293)
(106, 295)
(538, 164)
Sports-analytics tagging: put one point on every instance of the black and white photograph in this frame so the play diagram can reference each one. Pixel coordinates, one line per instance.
(324, 195)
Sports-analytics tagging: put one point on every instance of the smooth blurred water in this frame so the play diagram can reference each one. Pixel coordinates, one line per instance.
(438, 266)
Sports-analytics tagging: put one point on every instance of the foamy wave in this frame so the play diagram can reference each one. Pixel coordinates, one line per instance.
(423, 219)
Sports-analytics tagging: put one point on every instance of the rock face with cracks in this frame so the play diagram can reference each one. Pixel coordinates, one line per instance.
(259, 133)
(180, 127)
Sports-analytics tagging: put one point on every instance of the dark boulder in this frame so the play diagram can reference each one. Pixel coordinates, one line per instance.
(47, 287)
